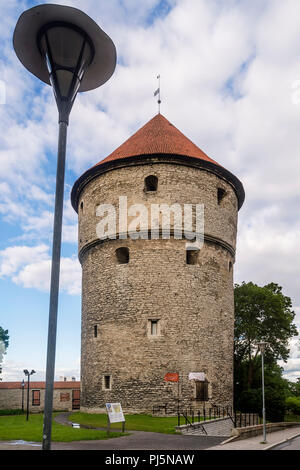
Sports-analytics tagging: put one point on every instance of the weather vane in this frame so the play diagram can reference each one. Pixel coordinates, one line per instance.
(157, 92)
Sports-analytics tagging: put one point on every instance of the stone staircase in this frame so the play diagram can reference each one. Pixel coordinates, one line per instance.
(214, 427)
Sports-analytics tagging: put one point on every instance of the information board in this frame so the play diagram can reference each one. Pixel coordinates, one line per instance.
(114, 412)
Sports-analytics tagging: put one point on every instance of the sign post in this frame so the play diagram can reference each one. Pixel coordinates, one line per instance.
(174, 377)
(114, 415)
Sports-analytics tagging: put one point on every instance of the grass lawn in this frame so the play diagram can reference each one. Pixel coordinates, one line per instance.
(17, 428)
(137, 422)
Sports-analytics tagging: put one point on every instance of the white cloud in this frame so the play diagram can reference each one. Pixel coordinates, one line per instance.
(30, 267)
(13, 258)
(13, 371)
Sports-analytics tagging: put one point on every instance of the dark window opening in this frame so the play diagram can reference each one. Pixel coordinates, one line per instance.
(230, 266)
(36, 397)
(122, 255)
(202, 390)
(95, 331)
(107, 382)
(76, 399)
(221, 195)
(151, 183)
(81, 206)
(192, 256)
(154, 329)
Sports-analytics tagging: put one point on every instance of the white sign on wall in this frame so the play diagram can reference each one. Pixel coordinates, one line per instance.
(114, 412)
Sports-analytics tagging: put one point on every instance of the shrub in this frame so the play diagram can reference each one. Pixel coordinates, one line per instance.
(11, 412)
(250, 401)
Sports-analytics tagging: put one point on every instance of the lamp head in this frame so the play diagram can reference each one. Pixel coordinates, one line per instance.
(64, 47)
(262, 346)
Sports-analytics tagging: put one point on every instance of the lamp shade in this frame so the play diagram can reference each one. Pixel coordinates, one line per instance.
(262, 346)
(67, 51)
(67, 30)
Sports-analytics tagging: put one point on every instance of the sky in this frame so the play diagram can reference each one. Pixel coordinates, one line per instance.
(230, 81)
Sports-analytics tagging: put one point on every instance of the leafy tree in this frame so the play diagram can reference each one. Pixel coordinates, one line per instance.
(4, 341)
(294, 388)
(276, 391)
(261, 314)
(293, 405)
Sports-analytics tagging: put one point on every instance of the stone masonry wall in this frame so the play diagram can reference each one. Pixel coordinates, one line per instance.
(192, 303)
(12, 399)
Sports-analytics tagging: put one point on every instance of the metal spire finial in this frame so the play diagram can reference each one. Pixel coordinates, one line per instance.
(157, 92)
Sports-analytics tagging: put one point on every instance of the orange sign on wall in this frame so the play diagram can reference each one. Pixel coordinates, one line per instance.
(171, 377)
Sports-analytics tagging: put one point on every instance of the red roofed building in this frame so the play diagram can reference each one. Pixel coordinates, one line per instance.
(13, 395)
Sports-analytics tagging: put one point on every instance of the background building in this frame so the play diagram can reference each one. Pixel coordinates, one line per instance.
(13, 395)
(150, 306)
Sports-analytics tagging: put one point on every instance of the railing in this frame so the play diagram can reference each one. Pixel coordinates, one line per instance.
(238, 419)
(242, 420)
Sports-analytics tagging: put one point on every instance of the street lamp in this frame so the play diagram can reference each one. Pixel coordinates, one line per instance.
(28, 374)
(64, 48)
(262, 347)
(23, 385)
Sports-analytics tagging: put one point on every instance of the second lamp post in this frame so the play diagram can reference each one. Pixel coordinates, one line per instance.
(28, 374)
(262, 347)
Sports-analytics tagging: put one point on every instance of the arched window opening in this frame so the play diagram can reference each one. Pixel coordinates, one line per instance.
(122, 255)
(230, 266)
(151, 183)
(221, 195)
(81, 205)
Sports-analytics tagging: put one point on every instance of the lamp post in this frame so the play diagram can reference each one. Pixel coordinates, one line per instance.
(262, 347)
(64, 48)
(28, 374)
(23, 385)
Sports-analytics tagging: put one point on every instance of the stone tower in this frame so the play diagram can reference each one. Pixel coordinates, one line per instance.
(150, 306)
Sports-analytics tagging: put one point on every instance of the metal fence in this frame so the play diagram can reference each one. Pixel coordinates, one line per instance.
(190, 416)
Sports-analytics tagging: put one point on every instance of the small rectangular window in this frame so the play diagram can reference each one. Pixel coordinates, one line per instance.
(192, 256)
(95, 331)
(154, 329)
(36, 397)
(107, 382)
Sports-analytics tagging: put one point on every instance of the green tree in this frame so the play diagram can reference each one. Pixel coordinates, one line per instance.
(261, 314)
(276, 392)
(4, 342)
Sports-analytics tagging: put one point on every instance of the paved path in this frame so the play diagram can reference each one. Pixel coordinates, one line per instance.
(139, 440)
(135, 441)
(292, 444)
(254, 443)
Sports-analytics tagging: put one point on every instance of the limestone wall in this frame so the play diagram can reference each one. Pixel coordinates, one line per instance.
(193, 304)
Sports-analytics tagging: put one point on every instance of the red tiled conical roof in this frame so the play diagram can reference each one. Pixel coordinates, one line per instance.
(158, 136)
(156, 141)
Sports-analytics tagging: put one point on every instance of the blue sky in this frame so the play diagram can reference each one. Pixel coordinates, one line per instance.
(228, 82)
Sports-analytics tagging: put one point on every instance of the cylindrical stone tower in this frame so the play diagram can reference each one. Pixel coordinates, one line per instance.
(150, 306)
